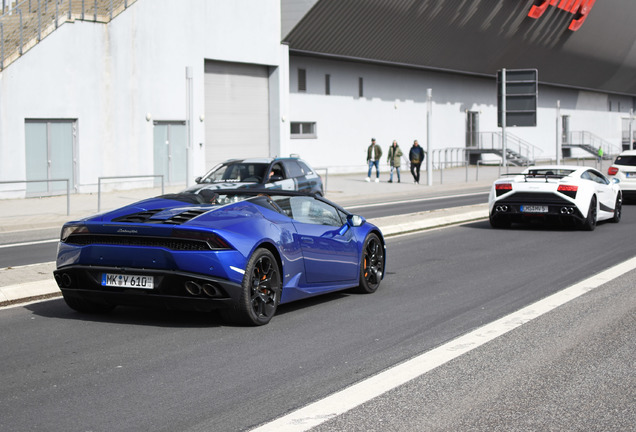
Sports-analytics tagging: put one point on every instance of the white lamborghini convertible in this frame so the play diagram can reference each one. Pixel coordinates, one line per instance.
(574, 195)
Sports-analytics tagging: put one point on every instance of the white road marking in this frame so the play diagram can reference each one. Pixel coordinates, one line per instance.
(4, 246)
(344, 400)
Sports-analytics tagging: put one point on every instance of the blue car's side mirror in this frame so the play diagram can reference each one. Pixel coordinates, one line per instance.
(355, 220)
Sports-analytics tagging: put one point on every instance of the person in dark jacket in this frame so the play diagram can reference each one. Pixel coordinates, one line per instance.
(416, 157)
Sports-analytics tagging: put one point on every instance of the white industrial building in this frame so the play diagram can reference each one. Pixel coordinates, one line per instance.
(157, 87)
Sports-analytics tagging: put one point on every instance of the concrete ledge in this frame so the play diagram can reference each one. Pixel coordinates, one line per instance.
(393, 225)
(13, 293)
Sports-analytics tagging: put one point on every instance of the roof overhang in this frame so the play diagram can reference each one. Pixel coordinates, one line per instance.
(481, 37)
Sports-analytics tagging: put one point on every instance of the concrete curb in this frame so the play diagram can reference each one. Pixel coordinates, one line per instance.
(390, 226)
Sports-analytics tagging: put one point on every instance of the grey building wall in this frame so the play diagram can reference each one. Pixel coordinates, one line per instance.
(115, 80)
(393, 106)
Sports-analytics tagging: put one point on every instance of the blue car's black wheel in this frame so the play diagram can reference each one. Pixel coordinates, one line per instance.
(371, 264)
(261, 290)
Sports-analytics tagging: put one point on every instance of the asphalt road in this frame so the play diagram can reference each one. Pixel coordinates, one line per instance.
(138, 369)
(38, 246)
(392, 208)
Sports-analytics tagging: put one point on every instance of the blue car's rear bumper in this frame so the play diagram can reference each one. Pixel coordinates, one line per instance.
(169, 288)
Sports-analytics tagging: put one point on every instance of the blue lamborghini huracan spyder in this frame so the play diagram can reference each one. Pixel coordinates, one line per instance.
(242, 252)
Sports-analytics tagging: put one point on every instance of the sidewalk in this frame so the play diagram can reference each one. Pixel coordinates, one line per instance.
(18, 217)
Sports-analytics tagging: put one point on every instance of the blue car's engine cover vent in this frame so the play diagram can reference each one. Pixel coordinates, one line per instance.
(184, 217)
(140, 217)
(161, 216)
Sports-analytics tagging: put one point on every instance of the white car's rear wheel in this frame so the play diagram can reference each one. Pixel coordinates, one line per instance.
(618, 208)
(590, 222)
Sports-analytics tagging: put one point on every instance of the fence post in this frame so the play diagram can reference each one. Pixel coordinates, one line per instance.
(68, 197)
(99, 194)
(21, 32)
(1, 46)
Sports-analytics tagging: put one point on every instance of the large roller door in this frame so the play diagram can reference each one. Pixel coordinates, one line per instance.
(236, 111)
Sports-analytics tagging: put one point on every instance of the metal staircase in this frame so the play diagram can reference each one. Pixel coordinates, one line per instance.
(518, 151)
(23, 24)
(589, 143)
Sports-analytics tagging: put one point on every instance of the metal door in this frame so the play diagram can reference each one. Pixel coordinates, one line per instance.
(50, 147)
(472, 129)
(170, 151)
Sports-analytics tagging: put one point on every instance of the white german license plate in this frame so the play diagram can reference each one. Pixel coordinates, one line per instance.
(127, 281)
(630, 175)
(534, 209)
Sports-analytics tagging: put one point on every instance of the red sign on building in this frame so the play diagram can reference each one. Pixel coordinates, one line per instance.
(579, 8)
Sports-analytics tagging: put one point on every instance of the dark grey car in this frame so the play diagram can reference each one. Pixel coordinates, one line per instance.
(262, 173)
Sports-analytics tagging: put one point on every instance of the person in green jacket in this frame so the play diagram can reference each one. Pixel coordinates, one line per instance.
(394, 157)
(374, 153)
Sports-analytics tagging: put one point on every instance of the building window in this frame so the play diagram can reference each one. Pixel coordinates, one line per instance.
(302, 80)
(360, 87)
(303, 130)
(327, 84)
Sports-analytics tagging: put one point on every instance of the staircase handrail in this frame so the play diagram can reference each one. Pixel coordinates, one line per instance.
(23, 24)
(494, 141)
(581, 138)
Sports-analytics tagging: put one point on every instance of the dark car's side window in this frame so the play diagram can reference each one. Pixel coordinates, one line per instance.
(294, 169)
(277, 171)
(305, 168)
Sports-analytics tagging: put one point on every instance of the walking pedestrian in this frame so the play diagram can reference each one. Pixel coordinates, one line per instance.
(374, 153)
(416, 157)
(394, 158)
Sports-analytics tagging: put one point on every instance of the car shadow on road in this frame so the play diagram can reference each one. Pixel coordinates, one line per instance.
(533, 226)
(157, 317)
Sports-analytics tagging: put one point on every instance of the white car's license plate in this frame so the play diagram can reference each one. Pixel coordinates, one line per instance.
(128, 281)
(630, 174)
(534, 209)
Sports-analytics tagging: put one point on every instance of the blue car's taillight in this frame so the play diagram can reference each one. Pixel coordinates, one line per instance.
(213, 240)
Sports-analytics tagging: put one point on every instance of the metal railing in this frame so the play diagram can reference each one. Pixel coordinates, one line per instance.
(586, 138)
(25, 23)
(494, 141)
(99, 185)
(68, 188)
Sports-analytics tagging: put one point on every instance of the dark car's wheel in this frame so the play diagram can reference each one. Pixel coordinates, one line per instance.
(261, 290)
(371, 265)
(618, 208)
(86, 306)
(590, 222)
